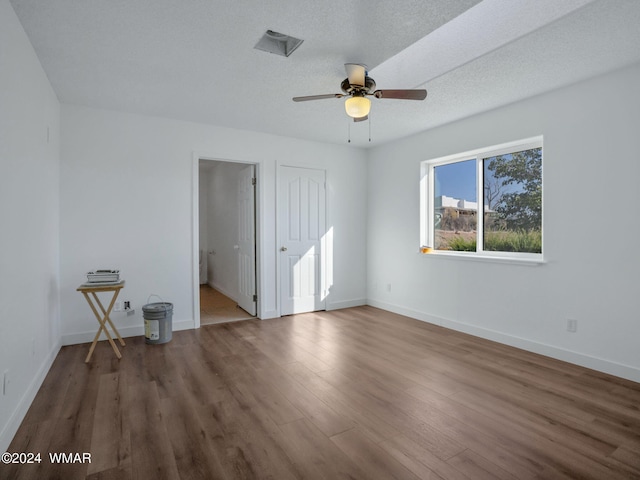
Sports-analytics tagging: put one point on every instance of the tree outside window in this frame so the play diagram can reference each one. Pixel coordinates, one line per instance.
(513, 202)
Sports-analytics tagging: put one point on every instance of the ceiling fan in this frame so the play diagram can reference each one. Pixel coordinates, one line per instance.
(357, 86)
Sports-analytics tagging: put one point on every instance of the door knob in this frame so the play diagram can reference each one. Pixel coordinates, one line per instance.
(283, 249)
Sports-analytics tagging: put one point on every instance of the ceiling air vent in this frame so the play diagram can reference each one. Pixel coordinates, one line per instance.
(278, 43)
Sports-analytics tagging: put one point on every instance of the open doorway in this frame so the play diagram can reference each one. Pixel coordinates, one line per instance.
(227, 241)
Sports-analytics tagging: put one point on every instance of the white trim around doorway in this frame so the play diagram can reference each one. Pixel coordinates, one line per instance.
(195, 240)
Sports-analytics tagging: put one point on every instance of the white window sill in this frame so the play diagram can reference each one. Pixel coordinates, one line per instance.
(478, 257)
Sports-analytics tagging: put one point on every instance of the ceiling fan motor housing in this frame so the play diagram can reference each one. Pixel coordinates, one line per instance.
(369, 85)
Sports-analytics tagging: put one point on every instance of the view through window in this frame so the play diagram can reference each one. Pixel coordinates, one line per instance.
(503, 182)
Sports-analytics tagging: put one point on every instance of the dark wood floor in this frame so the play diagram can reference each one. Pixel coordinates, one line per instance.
(357, 393)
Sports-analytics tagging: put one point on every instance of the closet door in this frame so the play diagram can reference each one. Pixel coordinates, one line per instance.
(301, 230)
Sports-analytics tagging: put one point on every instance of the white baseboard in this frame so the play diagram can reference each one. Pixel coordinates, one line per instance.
(407, 312)
(15, 419)
(588, 361)
(355, 302)
(125, 332)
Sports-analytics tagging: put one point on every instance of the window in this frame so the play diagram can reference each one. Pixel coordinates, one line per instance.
(504, 183)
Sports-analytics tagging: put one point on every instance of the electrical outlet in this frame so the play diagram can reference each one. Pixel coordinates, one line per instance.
(117, 307)
(127, 305)
(572, 325)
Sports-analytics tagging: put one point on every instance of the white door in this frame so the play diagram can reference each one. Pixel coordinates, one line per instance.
(301, 227)
(246, 246)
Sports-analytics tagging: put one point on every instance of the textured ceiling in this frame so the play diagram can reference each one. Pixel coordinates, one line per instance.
(194, 60)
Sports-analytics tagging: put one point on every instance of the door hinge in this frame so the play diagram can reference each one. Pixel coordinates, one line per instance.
(255, 298)
(253, 181)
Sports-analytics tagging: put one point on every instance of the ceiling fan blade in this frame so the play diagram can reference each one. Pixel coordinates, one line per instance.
(317, 97)
(355, 73)
(401, 94)
(361, 119)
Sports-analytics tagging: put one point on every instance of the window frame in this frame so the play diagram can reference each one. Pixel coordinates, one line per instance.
(427, 201)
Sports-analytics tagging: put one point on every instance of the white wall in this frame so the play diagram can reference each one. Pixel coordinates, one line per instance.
(591, 271)
(29, 163)
(127, 201)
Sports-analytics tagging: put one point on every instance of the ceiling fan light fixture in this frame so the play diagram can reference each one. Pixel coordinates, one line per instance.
(357, 106)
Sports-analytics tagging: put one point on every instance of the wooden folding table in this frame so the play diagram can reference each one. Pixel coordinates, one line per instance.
(94, 289)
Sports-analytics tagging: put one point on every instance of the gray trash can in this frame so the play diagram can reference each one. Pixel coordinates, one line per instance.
(157, 322)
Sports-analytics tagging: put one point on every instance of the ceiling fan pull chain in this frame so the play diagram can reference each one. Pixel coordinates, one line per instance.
(349, 131)
(369, 129)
